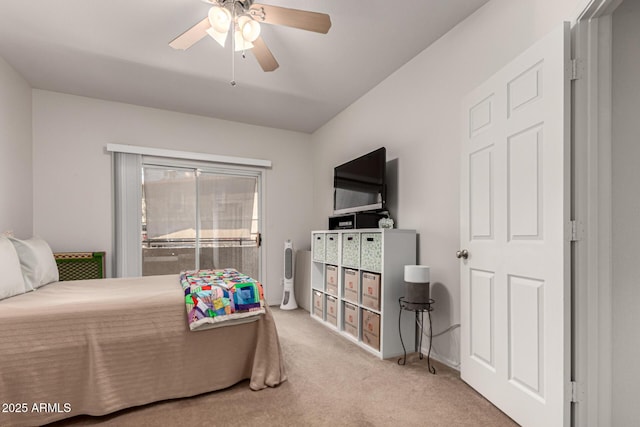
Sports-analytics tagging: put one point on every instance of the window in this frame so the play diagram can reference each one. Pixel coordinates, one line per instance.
(176, 214)
(198, 219)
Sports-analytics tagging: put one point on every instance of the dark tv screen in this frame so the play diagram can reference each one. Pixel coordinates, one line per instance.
(359, 185)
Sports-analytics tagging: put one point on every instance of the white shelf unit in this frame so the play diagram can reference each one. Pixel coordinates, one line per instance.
(384, 252)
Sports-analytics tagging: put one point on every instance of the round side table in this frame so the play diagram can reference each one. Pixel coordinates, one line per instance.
(419, 309)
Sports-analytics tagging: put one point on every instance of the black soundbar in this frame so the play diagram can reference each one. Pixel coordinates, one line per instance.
(355, 220)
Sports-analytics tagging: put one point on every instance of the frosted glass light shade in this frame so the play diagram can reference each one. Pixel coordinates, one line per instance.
(417, 274)
(219, 18)
(241, 43)
(221, 38)
(249, 28)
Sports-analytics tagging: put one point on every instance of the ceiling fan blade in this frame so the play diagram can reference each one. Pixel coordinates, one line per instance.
(191, 36)
(301, 19)
(264, 56)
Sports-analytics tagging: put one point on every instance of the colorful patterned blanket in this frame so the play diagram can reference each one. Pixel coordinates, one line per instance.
(220, 297)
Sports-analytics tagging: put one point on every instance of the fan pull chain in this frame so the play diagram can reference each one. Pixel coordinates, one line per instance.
(233, 67)
(233, 47)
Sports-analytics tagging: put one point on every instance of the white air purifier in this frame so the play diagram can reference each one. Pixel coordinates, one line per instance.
(288, 298)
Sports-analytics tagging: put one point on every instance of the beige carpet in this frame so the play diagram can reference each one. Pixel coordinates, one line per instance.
(331, 382)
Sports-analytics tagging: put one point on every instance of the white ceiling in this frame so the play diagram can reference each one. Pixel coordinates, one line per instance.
(118, 50)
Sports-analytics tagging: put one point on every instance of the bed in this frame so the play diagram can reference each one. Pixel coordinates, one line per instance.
(98, 346)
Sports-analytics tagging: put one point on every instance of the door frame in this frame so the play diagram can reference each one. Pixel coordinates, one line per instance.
(592, 259)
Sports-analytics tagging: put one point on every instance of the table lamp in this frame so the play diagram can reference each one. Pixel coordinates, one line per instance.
(416, 285)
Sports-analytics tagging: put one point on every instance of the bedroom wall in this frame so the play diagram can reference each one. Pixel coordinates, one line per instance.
(72, 171)
(416, 114)
(625, 210)
(16, 183)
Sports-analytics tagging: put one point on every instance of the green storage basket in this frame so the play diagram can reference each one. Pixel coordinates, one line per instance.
(80, 265)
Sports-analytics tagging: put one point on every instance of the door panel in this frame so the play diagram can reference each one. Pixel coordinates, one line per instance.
(168, 220)
(526, 333)
(515, 303)
(482, 316)
(525, 184)
(228, 222)
(481, 194)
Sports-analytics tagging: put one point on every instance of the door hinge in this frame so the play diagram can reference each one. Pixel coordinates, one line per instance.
(576, 392)
(575, 232)
(575, 69)
(259, 239)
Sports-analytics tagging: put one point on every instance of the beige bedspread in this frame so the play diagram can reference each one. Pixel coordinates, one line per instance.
(97, 346)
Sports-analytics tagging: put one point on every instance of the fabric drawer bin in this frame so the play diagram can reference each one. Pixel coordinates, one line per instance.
(318, 304)
(351, 330)
(351, 281)
(371, 290)
(351, 250)
(318, 247)
(332, 310)
(371, 329)
(331, 248)
(331, 280)
(351, 319)
(371, 251)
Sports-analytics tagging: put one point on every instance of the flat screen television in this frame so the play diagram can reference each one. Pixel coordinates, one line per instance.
(359, 185)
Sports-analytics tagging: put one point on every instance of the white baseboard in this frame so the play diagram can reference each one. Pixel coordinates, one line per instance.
(453, 364)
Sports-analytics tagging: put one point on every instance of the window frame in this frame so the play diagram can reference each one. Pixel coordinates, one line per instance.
(128, 166)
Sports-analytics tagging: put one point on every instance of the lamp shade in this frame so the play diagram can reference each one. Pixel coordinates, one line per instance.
(416, 286)
(416, 274)
(221, 38)
(219, 18)
(240, 42)
(249, 28)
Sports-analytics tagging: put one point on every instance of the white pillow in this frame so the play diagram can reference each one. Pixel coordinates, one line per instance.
(11, 281)
(38, 264)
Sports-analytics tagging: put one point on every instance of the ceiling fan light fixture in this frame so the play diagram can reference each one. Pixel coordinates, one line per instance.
(221, 38)
(249, 28)
(240, 42)
(243, 18)
(219, 18)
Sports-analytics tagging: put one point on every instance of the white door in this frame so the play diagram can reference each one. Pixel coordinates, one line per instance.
(514, 220)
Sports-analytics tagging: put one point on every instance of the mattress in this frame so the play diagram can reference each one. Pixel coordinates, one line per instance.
(98, 346)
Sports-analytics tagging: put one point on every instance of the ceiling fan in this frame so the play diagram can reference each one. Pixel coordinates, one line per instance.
(242, 18)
